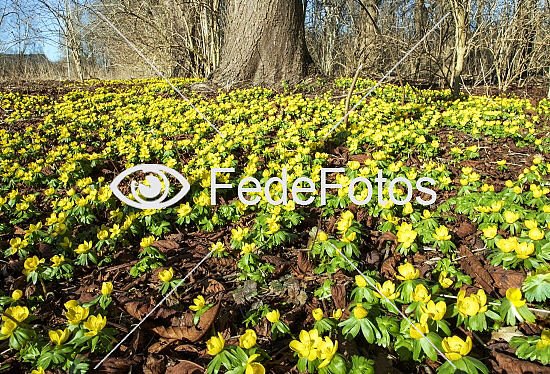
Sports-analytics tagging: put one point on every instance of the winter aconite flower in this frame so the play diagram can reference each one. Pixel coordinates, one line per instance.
(406, 235)
(16, 295)
(199, 303)
(407, 272)
(455, 348)
(418, 329)
(360, 281)
(469, 306)
(387, 290)
(273, 316)
(75, 313)
(307, 345)
(317, 314)
(420, 294)
(215, 344)
(254, 367)
(524, 250)
(444, 281)
(166, 275)
(433, 310)
(84, 247)
(514, 295)
(95, 324)
(106, 288)
(326, 351)
(59, 336)
(18, 313)
(359, 311)
(248, 339)
(544, 339)
(31, 264)
(441, 233)
(490, 231)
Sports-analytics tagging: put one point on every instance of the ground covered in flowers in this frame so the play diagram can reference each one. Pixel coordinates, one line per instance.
(280, 289)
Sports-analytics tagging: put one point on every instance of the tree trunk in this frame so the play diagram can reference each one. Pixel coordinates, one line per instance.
(460, 12)
(264, 44)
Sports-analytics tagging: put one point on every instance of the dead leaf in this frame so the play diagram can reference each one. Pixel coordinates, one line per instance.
(185, 367)
(165, 245)
(139, 308)
(507, 364)
(155, 364)
(114, 365)
(465, 229)
(387, 236)
(304, 264)
(191, 333)
(505, 333)
(338, 292)
(214, 287)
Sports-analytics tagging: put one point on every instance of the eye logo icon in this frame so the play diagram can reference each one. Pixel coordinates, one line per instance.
(153, 187)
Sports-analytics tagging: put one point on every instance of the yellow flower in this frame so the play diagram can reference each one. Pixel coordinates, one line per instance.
(406, 235)
(337, 314)
(531, 224)
(360, 281)
(514, 295)
(455, 347)
(8, 327)
(536, 234)
(247, 248)
(254, 367)
(38, 370)
(524, 250)
(248, 339)
(217, 247)
(184, 210)
(146, 242)
(544, 339)
(408, 209)
(420, 294)
(471, 305)
(76, 314)
(106, 288)
(441, 233)
(359, 311)
(199, 303)
(326, 351)
(307, 345)
(16, 294)
(95, 324)
(273, 316)
(490, 232)
(59, 336)
(407, 272)
(387, 290)
(84, 247)
(215, 344)
(317, 314)
(57, 260)
(433, 310)
(166, 275)
(444, 281)
(322, 236)
(239, 233)
(510, 217)
(31, 264)
(507, 245)
(19, 313)
(415, 333)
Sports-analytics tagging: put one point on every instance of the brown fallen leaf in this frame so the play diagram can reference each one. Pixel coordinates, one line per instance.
(155, 364)
(387, 236)
(185, 367)
(165, 245)
(191, 333)
(139, 308)
(114, 365)
(506, 364)
(465, 229)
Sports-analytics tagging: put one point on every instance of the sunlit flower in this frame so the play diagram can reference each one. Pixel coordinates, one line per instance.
(455, 348)
(248, 339)
(215, 344)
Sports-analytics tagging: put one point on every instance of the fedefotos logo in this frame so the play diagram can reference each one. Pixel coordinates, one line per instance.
(152, 193)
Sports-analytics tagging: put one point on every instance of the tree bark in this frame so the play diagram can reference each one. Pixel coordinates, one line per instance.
(460, 12)
(264, 44)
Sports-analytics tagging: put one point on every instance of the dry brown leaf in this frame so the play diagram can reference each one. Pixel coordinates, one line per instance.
(387, 236)
(161, 345)
(214, 287)
(507, 364)
(465, 229)
(114, 365)
(155, 364)
(165, 245)
(185, 367)
(191, 333)
(139, 308)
